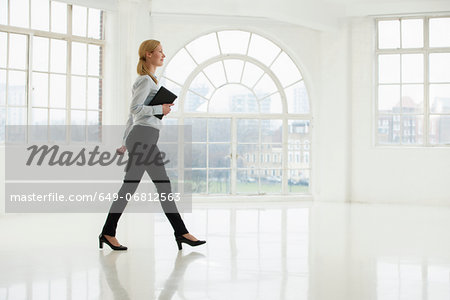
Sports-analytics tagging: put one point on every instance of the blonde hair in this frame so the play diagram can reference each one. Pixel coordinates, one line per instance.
(146, 46)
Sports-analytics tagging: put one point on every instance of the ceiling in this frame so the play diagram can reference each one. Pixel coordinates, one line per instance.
(318, 14)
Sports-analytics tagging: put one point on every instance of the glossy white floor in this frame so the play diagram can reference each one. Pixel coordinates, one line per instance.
(257, 251)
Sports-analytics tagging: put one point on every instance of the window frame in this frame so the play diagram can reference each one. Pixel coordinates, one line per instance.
(69, 38)
(425, 50)
(284, 115)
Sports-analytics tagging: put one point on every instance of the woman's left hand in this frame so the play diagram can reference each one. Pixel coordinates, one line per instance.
(121, 150)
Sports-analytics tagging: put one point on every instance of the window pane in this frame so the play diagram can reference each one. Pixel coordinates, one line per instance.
(58, 56)
(271, 105)
(298, 132)
(57, 117)
(412, 68)
(251, 74)
(79, 20)
(58, 90)
(248, 156)
(198, 159)
(18, 51)
(78, 99)
(412, 98)
(95, 23)
(286, 70)
(216, 73)
(202, 86)
(268, 160)
(262, 49)
(40, 14)
(219, 181)
(198, 129)
(389, 34)
(94, 96)
(78, 117)
(3, 49)
(298, 181)
(297, 99)
(94, 67)
(233, 98)
(233, 41)
(247, 131)
(2, 87)
(94, 117)
(389, 129)
(4, 14)
(389, 68)
(40, 54)
(440, 67)
(17, 116)
(59, 17)
(79, 58)
(19, 13)
(412, 129)
(219, 130)
(439, 130)
(195, 103)
(180, 67)
(271, 131)
(233, 69)
(440, 98)
(270, 181)
(198, 178)
(17, 83)
(440, 32)
(247, 181)
(412, 33)
(219, 155)
(204, 48)
(265, 87)
(39, 116)
(39, 96)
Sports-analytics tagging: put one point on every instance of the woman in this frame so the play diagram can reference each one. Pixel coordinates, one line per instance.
(140, 136)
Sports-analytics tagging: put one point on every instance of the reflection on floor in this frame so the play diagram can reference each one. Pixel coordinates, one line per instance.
(253, 251)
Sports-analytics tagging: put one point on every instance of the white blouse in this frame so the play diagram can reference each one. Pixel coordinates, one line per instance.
(144, 89)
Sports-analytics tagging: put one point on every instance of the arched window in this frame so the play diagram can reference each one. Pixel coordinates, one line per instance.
(246, 101)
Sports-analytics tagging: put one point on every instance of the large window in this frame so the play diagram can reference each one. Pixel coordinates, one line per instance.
(413, 81)
(249, 109)
(50, 64)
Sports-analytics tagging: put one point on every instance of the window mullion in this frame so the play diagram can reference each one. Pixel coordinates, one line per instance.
(284, 149)
(69, 70)
(7, 82)
(29, 78)
(426, 84)
(234, 156)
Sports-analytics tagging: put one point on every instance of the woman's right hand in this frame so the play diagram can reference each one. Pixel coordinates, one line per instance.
(121, 150)
(166, 108)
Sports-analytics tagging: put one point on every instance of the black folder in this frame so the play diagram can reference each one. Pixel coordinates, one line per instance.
(163, 96)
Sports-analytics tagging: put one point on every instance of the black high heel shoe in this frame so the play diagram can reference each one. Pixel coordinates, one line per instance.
(181, 239)
(102, 239)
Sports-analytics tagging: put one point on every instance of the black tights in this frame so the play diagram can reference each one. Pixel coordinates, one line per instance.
(141, 146)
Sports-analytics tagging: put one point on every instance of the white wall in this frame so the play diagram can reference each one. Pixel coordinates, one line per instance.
(391, 175)
(333, 152)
